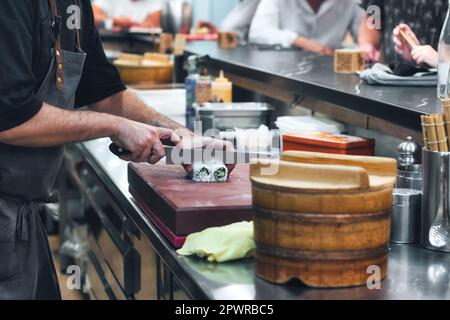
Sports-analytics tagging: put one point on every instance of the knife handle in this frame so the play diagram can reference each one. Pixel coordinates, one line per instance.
(118, 151)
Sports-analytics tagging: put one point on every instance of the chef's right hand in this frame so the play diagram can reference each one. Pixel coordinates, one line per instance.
(144, 141)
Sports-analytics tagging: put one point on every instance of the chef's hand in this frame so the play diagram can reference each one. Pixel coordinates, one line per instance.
(425, 56)
(194, 142)
(144, 141)
(402, 47)
(312, 46)
(372, 52)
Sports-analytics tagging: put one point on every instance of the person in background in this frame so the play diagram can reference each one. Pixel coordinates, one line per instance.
(422, 20)
(238, 20)
(128, 13)
(313, 25)
(423, 55)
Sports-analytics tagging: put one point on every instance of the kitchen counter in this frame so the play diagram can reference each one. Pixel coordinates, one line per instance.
(275, 73)
(414, 273)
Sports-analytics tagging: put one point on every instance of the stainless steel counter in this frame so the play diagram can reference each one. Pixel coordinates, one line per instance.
(414, 273)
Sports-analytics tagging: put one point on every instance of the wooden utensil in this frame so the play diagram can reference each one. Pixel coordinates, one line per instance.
(408, 39)
(185, 206)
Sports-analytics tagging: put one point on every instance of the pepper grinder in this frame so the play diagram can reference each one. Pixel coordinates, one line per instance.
(409, 174)
(407, 150)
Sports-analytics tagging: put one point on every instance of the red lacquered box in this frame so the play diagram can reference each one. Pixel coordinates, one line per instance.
(329, 143)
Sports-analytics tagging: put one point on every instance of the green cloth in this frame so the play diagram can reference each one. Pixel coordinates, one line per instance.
(222, 244)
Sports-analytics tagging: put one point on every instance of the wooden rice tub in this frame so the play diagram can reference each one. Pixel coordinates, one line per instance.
(322, 223)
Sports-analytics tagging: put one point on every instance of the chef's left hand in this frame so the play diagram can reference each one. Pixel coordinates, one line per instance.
(195, 141)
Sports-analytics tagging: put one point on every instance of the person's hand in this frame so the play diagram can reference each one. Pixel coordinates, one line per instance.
(208, 25)
(402, 47)
(145, 142)
(125, 23)
(153, 20)
(189, 142)
(312, 46)
(372, 52)
(425, 56)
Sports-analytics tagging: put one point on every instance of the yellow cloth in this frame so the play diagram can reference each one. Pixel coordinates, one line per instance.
(222, 244)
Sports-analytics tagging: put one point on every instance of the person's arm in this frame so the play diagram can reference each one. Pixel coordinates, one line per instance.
(369, 37)
(369, 40)
(153, 20)
(128, 105)
(99, 14)
(54, 126)
(265, 27)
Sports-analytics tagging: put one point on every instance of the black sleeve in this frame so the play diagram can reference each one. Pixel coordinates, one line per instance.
(18, 102)
(100, 78)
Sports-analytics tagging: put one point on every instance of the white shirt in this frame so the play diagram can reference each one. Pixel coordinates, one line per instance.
(137, 10)
(240, 18)
(282, 21)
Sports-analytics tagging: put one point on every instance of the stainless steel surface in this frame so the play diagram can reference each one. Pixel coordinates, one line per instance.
(176, 16)
(440, 230)
(413, 272)
(436, 195)
(406, 209)
(410, 177)
(179, 156)
(226, 116)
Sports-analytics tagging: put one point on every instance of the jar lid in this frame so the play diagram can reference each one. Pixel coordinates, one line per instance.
(404, 197)
(407, 147)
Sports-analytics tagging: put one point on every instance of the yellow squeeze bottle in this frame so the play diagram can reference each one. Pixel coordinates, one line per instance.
(222, 89)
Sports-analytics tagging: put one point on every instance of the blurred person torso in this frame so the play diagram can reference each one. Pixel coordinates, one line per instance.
(136, 10)
(240, 18)
(328, 26)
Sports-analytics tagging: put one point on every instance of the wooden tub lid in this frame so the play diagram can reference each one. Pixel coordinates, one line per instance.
(308, 177)
(313, 178)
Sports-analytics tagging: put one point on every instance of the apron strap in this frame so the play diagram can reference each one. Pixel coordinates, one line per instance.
(58, 49)
(77, 2)
(25, 209)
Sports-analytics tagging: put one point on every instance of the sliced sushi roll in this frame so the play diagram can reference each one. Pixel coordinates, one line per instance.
(219, 172)
(201, 173)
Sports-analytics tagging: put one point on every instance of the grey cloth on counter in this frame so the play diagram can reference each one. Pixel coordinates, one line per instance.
(381, 74)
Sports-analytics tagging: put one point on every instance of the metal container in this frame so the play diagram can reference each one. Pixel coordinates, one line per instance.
(225, 116)
(406, 211)
(436, 166)
(410, 177)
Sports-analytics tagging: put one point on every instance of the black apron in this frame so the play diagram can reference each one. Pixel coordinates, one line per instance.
(27, 176)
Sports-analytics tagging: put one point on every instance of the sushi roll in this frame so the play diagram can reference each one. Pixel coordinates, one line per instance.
(201, 173)
(219, 172)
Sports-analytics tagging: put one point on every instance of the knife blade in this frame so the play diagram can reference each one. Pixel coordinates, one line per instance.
(175, 155)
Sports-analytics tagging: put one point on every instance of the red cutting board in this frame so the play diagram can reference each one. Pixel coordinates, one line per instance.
(186, 207)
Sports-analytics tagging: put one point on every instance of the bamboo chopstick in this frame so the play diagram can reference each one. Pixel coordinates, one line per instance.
(408, 39)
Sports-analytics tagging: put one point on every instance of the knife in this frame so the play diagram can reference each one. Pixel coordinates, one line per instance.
(175, 155)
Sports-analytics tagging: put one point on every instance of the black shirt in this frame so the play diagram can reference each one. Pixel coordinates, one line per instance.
(27, 40)
(425, 17)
